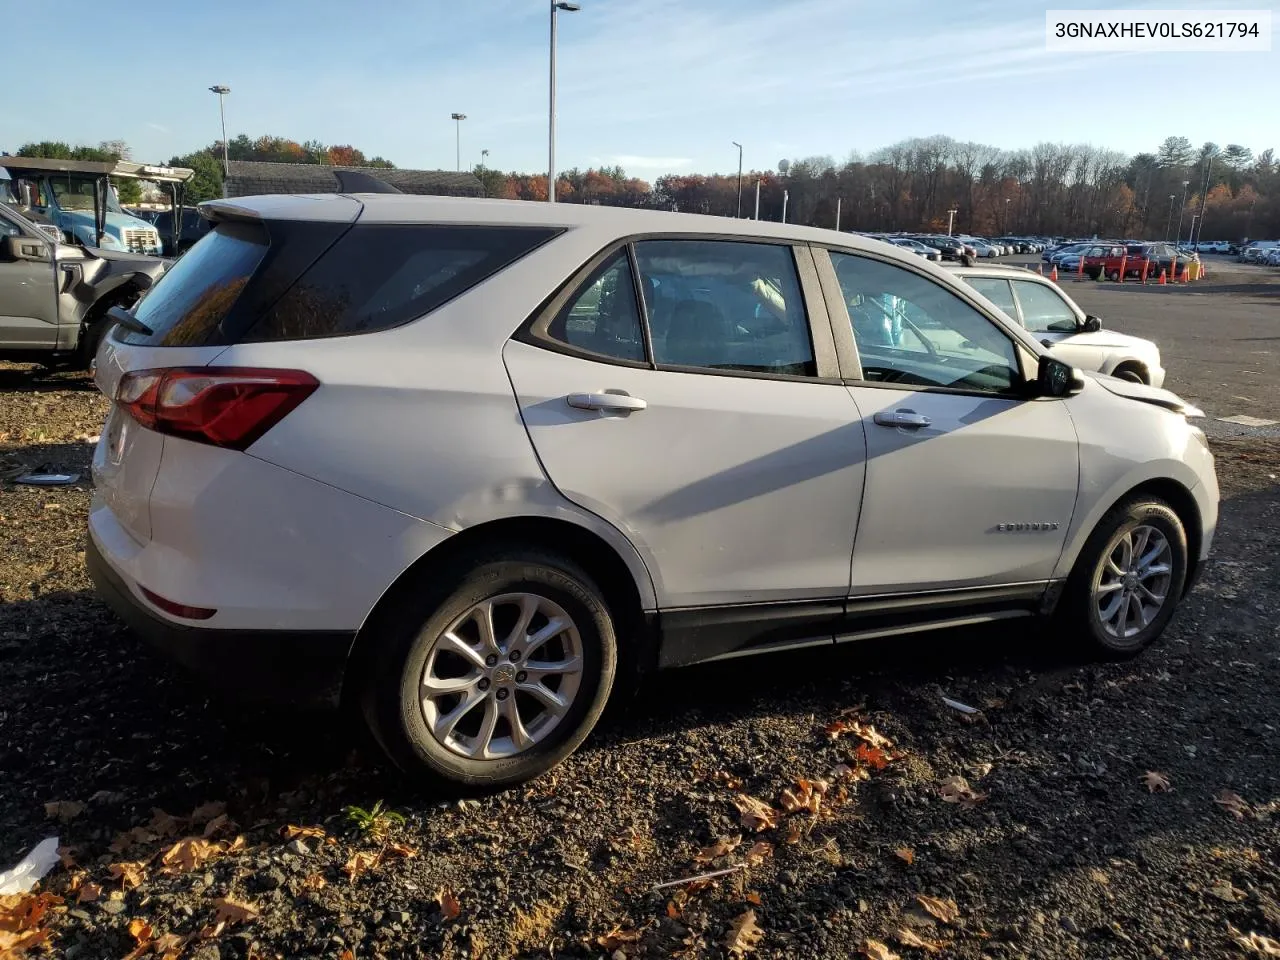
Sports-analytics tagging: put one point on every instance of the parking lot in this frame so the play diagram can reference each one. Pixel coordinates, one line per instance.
(1064, 845)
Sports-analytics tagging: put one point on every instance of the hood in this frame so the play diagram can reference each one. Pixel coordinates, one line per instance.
(1140, 391)
(1107, 338)
(115, 221)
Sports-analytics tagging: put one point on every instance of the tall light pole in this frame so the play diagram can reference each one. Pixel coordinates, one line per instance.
(1007, 201)
(1192, 232)
(1168, 222)
(1204, 197)
(222, 92)
(457, 118)
(739, 146)
(484, 158)
(951, 219)
(1182, 208)
(556, 7)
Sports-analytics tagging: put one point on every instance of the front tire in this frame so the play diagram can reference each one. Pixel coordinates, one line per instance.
(494, 676)
(1127, 580)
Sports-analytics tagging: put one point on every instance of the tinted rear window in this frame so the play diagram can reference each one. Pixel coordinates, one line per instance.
(193, 297)
(382, 275)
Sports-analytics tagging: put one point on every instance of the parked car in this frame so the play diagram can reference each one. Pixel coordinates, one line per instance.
(1110, 260)
(55, 297)
(921, 249)
(1077, 338)
(949, 248)
(636, 440)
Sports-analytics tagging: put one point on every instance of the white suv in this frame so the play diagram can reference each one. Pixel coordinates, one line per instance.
(472, 464)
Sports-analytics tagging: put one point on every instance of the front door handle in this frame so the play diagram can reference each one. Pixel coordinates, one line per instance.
(907, 419)
(611, 402)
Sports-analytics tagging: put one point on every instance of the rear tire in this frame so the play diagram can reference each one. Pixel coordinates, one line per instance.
(1136, 554)
(407, 699)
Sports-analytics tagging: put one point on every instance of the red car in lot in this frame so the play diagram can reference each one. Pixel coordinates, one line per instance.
(1110, 259)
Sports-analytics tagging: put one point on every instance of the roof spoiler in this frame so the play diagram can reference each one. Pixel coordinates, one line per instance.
(354, 181)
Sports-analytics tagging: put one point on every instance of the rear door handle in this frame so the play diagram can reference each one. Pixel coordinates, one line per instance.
(612, 402)
(907, 419)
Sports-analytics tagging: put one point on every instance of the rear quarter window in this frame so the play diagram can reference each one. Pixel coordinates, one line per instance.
(379, 276)
(188, 304)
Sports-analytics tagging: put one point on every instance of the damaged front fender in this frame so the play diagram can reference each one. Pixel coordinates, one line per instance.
(91, 281)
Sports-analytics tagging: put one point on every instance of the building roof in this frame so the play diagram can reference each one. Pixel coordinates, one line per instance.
(115, 168)
(251, 178)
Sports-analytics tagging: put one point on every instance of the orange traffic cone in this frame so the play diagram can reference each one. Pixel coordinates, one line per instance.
(1162, 277)
(1054, 276)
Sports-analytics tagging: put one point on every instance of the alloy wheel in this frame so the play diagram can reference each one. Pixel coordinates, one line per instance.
(1133, 580)
(502, 677)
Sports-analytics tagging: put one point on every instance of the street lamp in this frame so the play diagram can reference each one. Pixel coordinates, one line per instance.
(951, 219)
(1007, 201)
(458, 118)
(1168, 223)
(484, 158)
(739, 146)
(1182, 208)
(222, 92)
(551, 114)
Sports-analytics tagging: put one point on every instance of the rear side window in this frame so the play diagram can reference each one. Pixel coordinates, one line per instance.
(187, 305)
(382, 275)
(602, 318)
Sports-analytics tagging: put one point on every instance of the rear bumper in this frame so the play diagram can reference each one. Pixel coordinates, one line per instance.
(296, 667)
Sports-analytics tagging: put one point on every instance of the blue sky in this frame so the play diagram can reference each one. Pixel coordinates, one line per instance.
(654, 85)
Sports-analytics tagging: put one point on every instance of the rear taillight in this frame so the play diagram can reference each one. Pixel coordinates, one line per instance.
(225, 406)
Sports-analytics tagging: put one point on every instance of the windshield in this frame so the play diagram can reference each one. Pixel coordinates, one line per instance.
(78, 195)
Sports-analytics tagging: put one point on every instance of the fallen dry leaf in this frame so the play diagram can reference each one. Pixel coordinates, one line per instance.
(163, 824)
(875, 950)
(1155, 782)
(315, 881)
(88, 892)
(360, 862)
(207, 811)
(906, 855)
(795, 832)
(450, 909)
(291, 832)
(227, 910)
(130, 873)
(944, 910)
(909, 938)
(805, 795)
(616, 937)
(1258, 944)
(728, 779)
(717, 849)
(63, 810)
(1234, 804)
(219, 824)
(67, 857)
(211, 931)
(872, 757)
(756, 814)
(869, 735)
(190, 853)
(956, 789)
(21, 912)
(760, 851)
(744, 934)
(402, 850)
(754, 898)
(143, 939)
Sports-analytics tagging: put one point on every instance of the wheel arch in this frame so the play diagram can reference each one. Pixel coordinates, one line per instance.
(1172, 492)
(630, 600)
(1135, 365)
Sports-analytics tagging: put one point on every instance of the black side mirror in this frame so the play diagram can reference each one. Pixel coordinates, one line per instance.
(1056, 379)
(1091, 324)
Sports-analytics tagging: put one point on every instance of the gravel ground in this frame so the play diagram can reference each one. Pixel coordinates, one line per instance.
(1112, 811)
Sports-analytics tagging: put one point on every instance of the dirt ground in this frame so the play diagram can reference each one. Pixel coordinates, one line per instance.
(1118, 810)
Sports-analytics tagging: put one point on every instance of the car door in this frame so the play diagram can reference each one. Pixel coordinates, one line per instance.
(28, 288)
(969, 482)
(686, 391)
